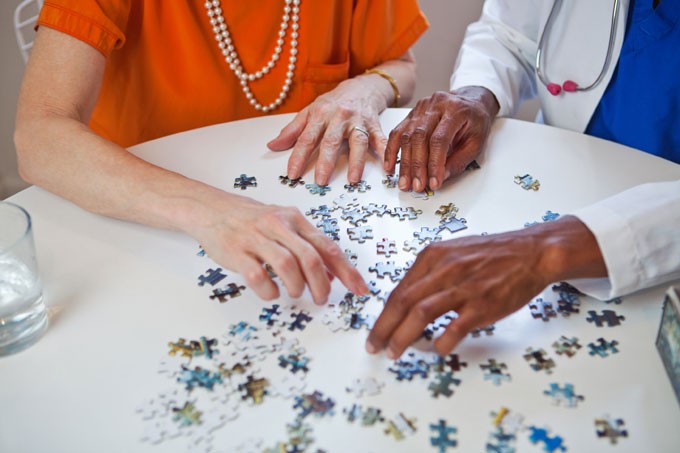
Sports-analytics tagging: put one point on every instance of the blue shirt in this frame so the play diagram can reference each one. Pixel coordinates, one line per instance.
(641, 105)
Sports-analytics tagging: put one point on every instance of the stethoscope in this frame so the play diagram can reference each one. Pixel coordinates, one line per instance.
(569, 85)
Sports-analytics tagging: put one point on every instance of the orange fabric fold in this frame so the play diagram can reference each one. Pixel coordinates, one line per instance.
(165, 72)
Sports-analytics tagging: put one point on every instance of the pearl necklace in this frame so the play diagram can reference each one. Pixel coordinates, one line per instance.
(226, 45)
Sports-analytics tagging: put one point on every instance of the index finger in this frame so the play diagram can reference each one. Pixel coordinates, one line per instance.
(334, 258)
(393, 145)
(468, 319)
(304, 147)
(329, 150)
(290, 133)
(397, 307)
(440, 144)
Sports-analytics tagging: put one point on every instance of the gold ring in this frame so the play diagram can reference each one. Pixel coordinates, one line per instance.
(360, 129)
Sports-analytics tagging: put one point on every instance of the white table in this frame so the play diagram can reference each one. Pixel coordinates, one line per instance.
(119, 292)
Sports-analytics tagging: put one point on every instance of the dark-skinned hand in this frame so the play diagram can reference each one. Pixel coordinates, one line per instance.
(440, 137)
(482, 279)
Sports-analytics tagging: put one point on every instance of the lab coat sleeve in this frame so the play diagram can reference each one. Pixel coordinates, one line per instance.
(638, 232)
(499, 50)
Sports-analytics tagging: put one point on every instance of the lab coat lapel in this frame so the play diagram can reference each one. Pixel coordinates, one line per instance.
(576, 50)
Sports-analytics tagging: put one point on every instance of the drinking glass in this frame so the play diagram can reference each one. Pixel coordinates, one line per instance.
(23, 316)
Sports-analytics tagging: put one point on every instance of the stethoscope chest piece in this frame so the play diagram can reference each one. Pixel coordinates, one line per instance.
(570, 86)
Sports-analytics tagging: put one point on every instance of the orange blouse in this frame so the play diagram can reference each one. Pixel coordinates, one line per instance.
(165, 72)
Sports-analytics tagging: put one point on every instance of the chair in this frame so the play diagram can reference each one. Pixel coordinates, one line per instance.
(25, 17)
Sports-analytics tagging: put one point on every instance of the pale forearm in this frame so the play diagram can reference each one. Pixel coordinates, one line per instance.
(57, 151)
(65, 157)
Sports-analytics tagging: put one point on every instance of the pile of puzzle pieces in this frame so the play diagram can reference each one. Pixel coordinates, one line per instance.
(216, 379)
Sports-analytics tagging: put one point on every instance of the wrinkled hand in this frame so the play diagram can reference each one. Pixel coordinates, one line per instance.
(440, 137)
(482, 278)
(326, 123)
(248, 234)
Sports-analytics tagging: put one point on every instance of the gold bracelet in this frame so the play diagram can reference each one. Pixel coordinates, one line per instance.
(390, 79)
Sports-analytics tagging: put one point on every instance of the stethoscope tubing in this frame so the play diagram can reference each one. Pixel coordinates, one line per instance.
(547, 30)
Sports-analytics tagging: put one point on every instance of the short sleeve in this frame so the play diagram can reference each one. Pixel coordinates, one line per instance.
(99, 23)
(383, 30)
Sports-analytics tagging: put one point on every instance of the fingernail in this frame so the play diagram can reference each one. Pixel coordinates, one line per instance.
(370, 348)
(391, 354)
(403, 183)
(417, 184)
(447, 174)
(433, 183)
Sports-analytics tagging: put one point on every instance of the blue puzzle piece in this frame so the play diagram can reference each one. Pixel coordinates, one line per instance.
(550, 444)
(295, 360)
(406, 369)
(322, 211)
(441, 438)
(316, 189)
(360, 186)
(291, 182)
(500, 442)
(242, 330)
(268, 314)
(603, 347)
(313, 403)
(563, 394)
(300, 320)
(212, 277)
(442, 384)
(527, 182)
(198, 377)
(494, 371)
(357, 321)
(244, 181)
(608, 317)
(230, 291)
(330, 228)
(453, 224)
(550, 216)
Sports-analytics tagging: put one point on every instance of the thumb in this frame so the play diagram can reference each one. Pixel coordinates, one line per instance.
(290, 133)
(460, 158)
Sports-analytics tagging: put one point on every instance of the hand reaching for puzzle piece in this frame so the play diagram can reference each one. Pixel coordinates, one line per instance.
(483, 279)
(242, 234)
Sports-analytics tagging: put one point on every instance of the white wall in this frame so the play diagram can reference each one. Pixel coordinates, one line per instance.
(11, 68)
(435, 52)
(437, 49)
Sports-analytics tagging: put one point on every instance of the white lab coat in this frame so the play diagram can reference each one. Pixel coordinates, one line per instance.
(638, 230)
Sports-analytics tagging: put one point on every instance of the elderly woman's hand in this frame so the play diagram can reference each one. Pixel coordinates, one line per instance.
(242, 234)
(349, 112)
